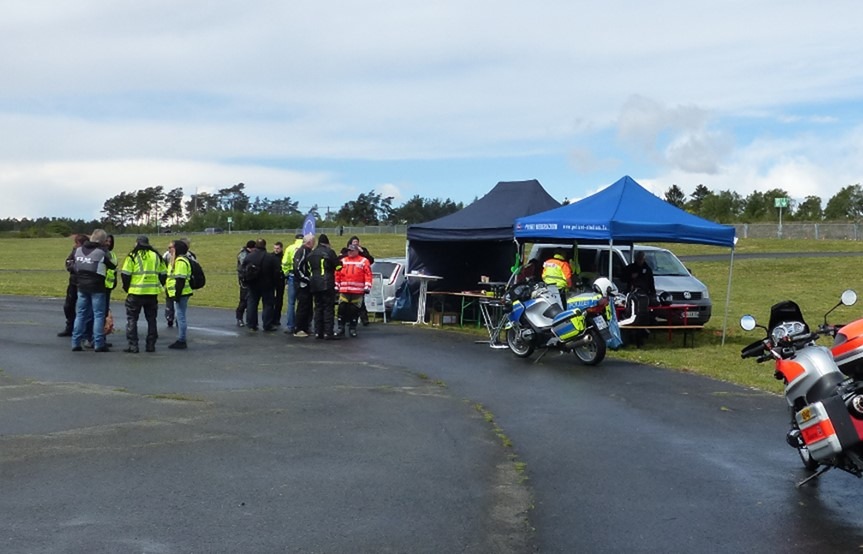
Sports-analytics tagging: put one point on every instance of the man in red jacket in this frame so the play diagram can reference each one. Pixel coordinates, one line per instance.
(353, 281)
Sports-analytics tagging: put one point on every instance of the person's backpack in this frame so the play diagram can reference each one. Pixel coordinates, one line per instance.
(197, 280)
(251, 271)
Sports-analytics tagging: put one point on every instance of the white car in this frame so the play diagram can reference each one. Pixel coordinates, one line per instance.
(388, 274)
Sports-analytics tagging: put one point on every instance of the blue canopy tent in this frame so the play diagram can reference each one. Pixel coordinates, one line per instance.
(625, 212)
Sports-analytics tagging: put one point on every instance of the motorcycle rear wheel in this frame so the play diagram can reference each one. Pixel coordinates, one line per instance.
(809, 462)
(593, 351)
(517, 344)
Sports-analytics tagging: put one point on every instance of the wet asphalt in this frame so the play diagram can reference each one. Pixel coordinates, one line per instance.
(405, 439)
(242, 443)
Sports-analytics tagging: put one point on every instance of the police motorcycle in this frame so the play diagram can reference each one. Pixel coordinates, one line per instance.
(537, 319)
(825, 398)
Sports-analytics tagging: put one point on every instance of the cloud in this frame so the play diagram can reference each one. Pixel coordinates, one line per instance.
(391, 190)
(116, 96)
(675, 136)
(804, 165)
(584, 160)
(81, 187)
(698, 152)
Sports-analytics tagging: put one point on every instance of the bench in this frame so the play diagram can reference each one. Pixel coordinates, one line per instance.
(688, 330)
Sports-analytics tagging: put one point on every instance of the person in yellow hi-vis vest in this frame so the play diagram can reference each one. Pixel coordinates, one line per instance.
(290, 285)
(556, 271)
(179, 288)
(143, 275)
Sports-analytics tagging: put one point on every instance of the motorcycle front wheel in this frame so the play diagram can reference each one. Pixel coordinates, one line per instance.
(593, 351)
(517, 344)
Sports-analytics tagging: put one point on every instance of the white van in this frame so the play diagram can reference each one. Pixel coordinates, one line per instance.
(669, 273)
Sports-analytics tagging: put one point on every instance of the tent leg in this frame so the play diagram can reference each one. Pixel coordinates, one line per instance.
(727, 297)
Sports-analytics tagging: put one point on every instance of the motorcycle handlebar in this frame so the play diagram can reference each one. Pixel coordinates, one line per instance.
(753, 350)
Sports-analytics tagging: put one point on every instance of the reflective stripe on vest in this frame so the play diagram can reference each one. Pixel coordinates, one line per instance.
(144, 269)
(552, 273)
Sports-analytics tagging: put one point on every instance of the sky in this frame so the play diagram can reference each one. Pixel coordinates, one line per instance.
(321, 101)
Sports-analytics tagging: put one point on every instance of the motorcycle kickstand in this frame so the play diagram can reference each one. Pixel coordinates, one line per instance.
(819, 473)
(541, 354)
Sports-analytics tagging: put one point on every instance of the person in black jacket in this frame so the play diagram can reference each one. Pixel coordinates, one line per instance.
(91, 264)
(244, 290)
(262, 286)
(322, 264)
(302, 278)
(71, 288)
(279, 291)
(639, 276)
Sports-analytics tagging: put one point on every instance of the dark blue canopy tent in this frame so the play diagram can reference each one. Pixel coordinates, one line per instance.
(625, 213)
(477, 240)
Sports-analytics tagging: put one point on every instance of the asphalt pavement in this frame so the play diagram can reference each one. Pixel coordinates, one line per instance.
(406, 439)
(245, 442)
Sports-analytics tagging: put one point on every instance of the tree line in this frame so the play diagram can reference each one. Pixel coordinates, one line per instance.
(154, 209)
(727, 206)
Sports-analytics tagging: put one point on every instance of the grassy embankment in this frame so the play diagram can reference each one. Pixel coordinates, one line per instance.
(815, 283)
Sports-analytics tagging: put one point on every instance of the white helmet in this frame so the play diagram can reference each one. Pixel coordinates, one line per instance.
(604, 287)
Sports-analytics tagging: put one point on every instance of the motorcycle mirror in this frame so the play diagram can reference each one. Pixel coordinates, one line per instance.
(747, 322)
(848, 298)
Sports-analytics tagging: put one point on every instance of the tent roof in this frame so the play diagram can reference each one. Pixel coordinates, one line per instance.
(623, 212)
(490, 217)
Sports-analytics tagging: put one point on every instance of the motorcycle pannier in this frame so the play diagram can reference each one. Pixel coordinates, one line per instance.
(569, 324)
(828, 429)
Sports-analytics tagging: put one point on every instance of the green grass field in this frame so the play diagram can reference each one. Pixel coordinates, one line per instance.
(35, 267)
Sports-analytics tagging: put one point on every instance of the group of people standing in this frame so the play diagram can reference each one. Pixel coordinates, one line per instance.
(322, 291)
(93, 268)
(313, 278)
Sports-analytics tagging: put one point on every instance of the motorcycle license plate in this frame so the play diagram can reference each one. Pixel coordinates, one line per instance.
(806, 414)
(600, 323)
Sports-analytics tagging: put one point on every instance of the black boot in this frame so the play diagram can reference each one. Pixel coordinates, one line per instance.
(340, 328)
(352, 330)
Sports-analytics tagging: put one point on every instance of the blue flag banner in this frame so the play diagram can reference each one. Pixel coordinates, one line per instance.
(309, 225)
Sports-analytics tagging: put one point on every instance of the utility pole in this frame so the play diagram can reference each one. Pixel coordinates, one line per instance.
(780, 203)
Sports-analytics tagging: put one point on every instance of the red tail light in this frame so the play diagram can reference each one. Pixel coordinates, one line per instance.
(598, 308)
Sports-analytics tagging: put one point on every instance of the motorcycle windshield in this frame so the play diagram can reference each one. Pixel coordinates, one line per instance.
(787, 310)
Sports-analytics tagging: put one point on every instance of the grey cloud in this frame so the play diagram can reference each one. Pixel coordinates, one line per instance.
(677, 136)
(699, 153)
(585, 161)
